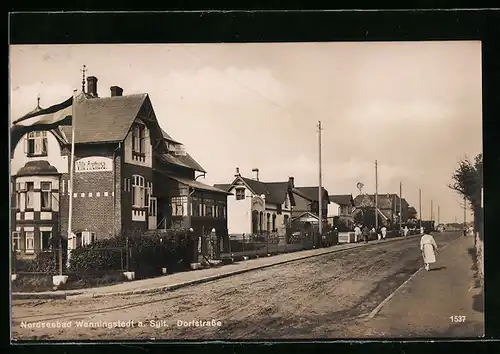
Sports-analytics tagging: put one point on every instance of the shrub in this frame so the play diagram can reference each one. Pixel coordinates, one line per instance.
(148, 252)
(44, 262)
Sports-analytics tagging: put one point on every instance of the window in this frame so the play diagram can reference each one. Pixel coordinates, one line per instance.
(46, 195)
(84, 238)
(287, 203)
(268, 222)
(18, 197)
(195, 206)
(209, 207)
(202, 208)
(30, 192)
(274, 222)
(46, 240)
(138, 192)
(285, 220)
(16, 241)
(29, 241)
(279, 209)
(240, 193)
(179, 206)
(37, 144)
(138, 139)
(152, 206)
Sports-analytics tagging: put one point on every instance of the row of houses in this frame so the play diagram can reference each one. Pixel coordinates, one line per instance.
(130, 174)
(256, 207)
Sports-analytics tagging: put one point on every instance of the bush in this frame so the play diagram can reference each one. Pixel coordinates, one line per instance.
(44, 262)
(148, 253)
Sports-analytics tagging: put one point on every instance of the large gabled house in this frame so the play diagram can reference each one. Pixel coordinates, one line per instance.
(257, 207)
(128, 175)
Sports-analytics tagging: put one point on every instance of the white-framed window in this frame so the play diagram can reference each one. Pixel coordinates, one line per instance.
(138, 192)
(139, 138)
(84, 238)
(36, 144)
(29, 241)
(287, 203)
(152, 206)
(30, 195)
(240, 193)
(179, 206)
(46, 195)
(16, 241)
(45, 240)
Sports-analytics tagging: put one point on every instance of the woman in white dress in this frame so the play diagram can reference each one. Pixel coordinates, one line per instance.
(428, 247)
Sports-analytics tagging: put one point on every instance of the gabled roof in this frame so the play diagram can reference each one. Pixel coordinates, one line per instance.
(224, 187)
(310, 193)
(180, 160)
(168, 137)
(342, 199)
(307, 214)
(384, 201)
(275, 192)
(412, 210)
(106, 119)
(194, 184)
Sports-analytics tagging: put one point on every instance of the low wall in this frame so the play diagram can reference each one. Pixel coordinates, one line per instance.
(346, 237)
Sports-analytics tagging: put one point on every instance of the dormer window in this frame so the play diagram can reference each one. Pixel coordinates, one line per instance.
(139, 141)
(36, 144)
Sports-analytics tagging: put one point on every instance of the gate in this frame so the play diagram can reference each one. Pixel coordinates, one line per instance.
(209, 249)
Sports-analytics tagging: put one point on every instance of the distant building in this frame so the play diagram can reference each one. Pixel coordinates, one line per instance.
(306, 210)
(257, 207)
(341, 209)
(388, 206)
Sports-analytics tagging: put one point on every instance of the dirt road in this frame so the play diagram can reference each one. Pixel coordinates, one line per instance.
(320, 297)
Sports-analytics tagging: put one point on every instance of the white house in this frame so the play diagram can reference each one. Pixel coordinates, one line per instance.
(257, 207)
(341, 207)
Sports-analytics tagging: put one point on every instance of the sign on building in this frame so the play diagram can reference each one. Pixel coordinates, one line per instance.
(94, 164)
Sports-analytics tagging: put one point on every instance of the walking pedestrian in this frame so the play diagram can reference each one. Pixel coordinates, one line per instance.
(405, 231)
(366, 232)
(421, 230)
(373, 232)
(357, 233)
(429, 248)
(384, 232)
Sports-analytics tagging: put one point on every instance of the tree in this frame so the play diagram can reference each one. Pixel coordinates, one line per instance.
(468, 182)
(366, 217)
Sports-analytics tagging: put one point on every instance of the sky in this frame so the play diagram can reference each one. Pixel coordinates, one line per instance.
(415, 107)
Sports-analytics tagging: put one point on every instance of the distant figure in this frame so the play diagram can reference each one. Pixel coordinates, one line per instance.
(405, 231)
(366, 233)
(465, 232)
(471, 231)
(373, 232)
(421, 230)
(384, 232)
(357, 234)
(428, 247)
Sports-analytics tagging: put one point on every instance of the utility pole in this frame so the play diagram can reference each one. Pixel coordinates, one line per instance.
(400, 203)
(376, 195)
(320, 189)
(420, 206)
(465, 212)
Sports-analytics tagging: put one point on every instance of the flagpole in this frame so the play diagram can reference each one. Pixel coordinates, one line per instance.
(71, 172)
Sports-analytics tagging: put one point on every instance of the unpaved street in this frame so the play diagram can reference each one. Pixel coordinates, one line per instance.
(320, 297)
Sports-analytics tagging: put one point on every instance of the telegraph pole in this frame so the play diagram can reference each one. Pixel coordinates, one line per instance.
(376, 195)
(420, 205)
(465, 212)
(320, 189)
(400, 203)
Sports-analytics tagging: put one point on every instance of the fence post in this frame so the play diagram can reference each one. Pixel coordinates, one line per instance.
(267, 243)
(127, 256)
(285, 243)
(60, 256)
(243, 244)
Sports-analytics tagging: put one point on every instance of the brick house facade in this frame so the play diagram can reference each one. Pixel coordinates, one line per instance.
(127, 171)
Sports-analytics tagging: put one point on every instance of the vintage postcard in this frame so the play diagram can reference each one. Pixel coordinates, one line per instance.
(246, 191)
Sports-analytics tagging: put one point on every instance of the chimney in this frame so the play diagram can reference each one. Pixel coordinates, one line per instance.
(237, 172)
(291, 182)
(256, 170)
(116, 91)
(92, 86)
